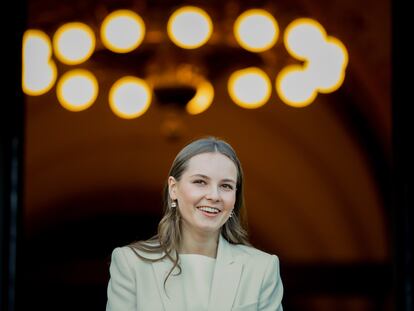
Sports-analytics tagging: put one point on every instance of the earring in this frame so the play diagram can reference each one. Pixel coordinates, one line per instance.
(232, 213)
(174, 204)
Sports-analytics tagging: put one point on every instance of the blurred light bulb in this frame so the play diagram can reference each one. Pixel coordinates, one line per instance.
(130, 97)
(73, 43)
(77, 90)
(249, 88)
(122, 31)
(328, 69)
(295, 86)
(256, 30)
(38, 69)
(202, 99)
(304, 38)
(189, 27)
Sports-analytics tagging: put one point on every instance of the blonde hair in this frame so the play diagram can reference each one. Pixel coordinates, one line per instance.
(167, 240)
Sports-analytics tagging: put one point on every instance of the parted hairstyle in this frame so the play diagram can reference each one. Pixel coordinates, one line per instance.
(168, 238)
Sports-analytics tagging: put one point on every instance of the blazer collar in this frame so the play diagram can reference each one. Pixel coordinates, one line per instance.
(161, 269)
(226, 277)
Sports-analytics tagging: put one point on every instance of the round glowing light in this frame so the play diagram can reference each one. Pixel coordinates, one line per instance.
(122, 31)
(304, 38)
(38, 70)
(77, 90)
(249, 88)
(328, 70)
(129, 97)
(189, 27)
(295, 87)
(256, 30)
(202, 99)
(74, 43)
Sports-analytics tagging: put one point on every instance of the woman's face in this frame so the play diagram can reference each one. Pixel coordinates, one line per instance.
(206, 192)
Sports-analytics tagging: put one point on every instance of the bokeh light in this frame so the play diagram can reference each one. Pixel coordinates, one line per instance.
(189, 27)
(130, 97)
(77, 90)
(122, 31)
(328, 70)
(38, 69)
(256, 30)
(73, 43)
(304, 38)
(249, 88)
(202, 99)
(295, 86)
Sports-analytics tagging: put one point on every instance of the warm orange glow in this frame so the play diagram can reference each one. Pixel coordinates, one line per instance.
(256, 30)
(130, 97)
(304, 38)
(295, 87)
(122, 31)
(202, 99)
(328, 70)
(249, 88)
(38, 70)
(74, 43)
(189, 27)
(77, 90)
(325, 59)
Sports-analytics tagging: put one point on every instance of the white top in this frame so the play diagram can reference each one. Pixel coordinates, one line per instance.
(196, 277)
(244, 278)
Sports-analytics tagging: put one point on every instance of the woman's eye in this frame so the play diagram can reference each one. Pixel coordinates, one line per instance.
(227, 186)
(199, 181)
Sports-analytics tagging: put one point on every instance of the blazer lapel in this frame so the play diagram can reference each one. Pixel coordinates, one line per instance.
(161, 269)
(226, 278)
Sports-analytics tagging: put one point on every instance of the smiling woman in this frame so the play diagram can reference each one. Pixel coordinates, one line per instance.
(205, 195)
(202, 246)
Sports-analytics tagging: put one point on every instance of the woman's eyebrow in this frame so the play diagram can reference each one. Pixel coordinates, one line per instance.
(206, 177)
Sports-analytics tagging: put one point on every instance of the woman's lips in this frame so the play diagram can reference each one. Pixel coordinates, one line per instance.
(208, 214)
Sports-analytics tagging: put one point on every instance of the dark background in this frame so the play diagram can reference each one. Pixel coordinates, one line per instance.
(325, 184)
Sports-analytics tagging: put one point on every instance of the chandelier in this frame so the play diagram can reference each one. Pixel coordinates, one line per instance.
(174, 65)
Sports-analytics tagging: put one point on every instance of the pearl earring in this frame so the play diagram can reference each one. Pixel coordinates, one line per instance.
(174, 204)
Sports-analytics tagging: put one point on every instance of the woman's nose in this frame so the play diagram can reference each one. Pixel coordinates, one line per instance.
(213, 193)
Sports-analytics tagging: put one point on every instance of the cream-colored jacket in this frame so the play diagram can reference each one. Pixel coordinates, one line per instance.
(244, 279)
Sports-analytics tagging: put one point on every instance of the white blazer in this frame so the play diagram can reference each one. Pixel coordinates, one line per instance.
(244, 279)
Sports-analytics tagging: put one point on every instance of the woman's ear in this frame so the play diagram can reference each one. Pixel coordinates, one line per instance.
(172, 188)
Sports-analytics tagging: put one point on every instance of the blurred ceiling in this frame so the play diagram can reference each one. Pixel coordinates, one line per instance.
(316, 177)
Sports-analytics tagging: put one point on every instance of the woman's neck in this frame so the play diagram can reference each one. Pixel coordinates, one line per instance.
(199, 243)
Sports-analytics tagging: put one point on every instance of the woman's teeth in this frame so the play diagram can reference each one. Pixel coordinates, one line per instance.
(209, 209)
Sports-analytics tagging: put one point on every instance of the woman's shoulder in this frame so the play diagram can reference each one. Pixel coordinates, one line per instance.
(253, 253)
(140, 249)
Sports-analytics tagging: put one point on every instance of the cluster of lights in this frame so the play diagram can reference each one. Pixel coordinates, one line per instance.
(324, 61)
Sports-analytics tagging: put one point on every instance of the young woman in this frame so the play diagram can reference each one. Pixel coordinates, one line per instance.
(201, 258)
